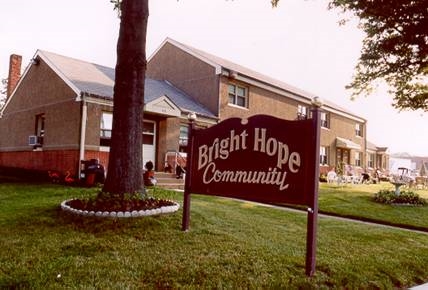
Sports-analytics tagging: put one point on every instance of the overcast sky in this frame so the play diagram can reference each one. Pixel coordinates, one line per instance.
(300, 42)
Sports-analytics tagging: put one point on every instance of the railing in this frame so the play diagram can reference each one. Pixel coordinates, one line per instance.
(174, 158)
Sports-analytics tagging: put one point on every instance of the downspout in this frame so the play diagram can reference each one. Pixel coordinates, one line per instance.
(82, 133)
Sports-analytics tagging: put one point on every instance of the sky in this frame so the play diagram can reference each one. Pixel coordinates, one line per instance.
(300, 43)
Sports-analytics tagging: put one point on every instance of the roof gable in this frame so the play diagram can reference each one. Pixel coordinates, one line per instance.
(244, 74)
(156, 88)
(163, 106)
(94, 80)
(205, 57)
(82, 76)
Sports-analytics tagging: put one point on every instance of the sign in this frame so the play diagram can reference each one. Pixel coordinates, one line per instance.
(262, 159)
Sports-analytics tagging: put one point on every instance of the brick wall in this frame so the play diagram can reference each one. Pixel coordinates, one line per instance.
(261, 101)
(101, 156)
(41, 91)
(186, 72)
(61, 160)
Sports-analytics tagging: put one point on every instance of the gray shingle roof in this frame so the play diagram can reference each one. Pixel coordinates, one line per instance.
(155, 89)
(98, 80)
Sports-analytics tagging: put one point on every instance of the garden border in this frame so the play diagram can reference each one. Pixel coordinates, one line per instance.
(120, 214)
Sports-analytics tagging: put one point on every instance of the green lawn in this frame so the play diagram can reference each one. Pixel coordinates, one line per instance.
(356, 201)
(231, 244)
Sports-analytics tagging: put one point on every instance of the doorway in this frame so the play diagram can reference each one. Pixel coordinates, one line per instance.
(149, 142)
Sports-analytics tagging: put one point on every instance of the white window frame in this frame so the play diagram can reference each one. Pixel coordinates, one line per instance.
(302, 112)
(40, 130)
(358, 156)
(183, 136)
(324, 155)
(106, 125)
(371, 160)
(359, 129)
(233, 96)
(325, 123)
(150, 133)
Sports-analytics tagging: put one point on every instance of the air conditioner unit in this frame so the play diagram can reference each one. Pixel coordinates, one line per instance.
(34, 140)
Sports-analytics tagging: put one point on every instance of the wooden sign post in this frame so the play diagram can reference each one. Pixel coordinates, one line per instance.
(262, 159)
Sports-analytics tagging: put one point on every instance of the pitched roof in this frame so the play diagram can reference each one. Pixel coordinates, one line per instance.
(373, 147)
(221, 63)
(97, 80)
(155, 89)
(83, 76)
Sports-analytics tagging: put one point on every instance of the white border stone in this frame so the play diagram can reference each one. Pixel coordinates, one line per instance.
(120, 214)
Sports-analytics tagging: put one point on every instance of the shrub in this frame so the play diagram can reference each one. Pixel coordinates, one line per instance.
(405, 197)
(323, 177)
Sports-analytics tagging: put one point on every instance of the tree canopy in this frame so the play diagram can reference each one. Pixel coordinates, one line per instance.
(395, 49)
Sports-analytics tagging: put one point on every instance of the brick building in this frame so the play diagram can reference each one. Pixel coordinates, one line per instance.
(60, 110)
(231, 90)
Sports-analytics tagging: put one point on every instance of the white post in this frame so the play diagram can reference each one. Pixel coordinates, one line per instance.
(83, 134)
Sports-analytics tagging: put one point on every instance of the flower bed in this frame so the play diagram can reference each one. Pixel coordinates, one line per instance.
(119, 209)
(404, 198)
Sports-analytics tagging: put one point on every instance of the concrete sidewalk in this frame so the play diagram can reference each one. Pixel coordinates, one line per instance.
(420, 287)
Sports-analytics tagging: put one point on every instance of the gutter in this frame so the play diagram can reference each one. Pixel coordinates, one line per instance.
(82, 133)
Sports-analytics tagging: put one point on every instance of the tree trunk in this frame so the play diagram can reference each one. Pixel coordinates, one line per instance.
(125, 168)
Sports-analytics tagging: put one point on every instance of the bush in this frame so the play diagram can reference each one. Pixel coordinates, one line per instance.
(405, 197)
(323, 177)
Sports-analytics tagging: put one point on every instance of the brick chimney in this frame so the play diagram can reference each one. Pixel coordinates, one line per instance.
(14, 73)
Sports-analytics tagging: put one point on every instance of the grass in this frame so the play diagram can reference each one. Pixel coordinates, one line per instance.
(356, 201)
(231, 244)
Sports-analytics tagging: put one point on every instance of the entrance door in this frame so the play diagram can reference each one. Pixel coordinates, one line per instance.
(342, 155)
(149, 142)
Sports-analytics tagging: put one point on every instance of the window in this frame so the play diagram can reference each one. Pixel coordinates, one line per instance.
(359, 129)
(238, 96)
(39, 130)
(357, 158)
(105, 128)
(148, 133)
(184, 137)
(325, 120)
(324, 155)
(370, 161)
(302, 112)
